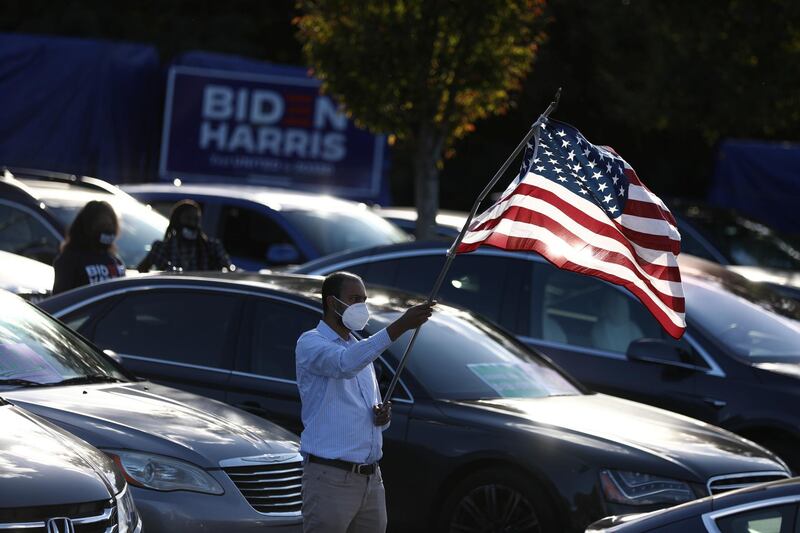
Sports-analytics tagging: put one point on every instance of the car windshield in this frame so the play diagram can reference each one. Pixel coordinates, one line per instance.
(745, 328)
(37, 350)
(746, 242)
(139, 225)
(336, 231)
(458, 357)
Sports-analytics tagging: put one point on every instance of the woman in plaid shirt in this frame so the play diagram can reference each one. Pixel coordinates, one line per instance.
(185, 247)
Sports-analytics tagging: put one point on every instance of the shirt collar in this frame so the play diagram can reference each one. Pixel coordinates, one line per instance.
(326, 331)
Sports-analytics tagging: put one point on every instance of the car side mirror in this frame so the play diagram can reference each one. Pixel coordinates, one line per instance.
(660, 352)
(282, 254)
(113, 355)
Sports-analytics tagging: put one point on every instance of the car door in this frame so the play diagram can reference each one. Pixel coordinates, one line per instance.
(264, 380)
(586, 326)
(23, 232)
(184, 338)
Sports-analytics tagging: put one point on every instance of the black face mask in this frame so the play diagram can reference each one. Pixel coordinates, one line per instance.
(189, 233)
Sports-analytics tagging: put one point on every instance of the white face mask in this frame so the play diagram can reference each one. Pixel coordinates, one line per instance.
(355, 317)
(189, 233)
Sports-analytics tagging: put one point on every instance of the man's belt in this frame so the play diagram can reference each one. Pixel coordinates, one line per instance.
(366, 470)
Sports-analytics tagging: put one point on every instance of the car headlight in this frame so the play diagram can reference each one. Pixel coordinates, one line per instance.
(634, 488)
(127, 516)
(158, 472)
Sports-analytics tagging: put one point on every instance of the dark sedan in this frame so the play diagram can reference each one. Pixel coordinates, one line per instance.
(752, 249)
(737, 366)
(768, 508)
(484, 430)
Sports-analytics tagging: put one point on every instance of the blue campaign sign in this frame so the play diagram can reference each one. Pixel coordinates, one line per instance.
(221, 125)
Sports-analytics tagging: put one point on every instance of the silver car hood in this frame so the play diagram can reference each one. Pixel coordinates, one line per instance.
(43, 465)
(144, 416)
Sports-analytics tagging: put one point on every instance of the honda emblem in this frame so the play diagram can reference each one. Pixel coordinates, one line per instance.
(60, 525)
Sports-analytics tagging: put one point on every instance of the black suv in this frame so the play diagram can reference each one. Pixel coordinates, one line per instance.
(37, 207)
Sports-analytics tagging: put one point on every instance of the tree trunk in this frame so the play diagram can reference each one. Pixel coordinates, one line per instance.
(427, 153)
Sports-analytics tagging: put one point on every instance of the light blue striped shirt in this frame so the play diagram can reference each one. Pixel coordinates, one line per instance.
(338, 390)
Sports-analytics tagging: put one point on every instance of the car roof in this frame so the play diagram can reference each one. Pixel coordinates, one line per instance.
(274, 198)
(45, 185)
(300, 288)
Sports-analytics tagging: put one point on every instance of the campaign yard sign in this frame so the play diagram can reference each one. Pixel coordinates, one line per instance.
(277, 130)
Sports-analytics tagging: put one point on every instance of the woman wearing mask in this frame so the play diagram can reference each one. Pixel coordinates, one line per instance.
(88, 254)
(185, 246)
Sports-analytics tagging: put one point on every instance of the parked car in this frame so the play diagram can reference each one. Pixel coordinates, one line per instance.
(37, 207)
(480, 423)
(191, 461)
(448, 223)
(746, 246)
(735, 367)
(26, 277)
(768, 508)
(52, 481)
(263, 227)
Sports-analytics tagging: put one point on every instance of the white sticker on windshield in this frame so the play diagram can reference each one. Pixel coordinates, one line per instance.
(508, 380)
(18, 361)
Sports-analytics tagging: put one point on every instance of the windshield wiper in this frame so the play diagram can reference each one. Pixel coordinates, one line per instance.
(83, 380)
(22, 382)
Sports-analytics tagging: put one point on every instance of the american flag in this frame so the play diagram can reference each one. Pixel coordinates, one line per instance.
(584, 209)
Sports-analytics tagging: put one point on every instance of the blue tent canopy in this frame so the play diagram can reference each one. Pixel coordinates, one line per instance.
(80, 106)
(760, 179)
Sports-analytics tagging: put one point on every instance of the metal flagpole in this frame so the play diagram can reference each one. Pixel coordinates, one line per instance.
(451, 253)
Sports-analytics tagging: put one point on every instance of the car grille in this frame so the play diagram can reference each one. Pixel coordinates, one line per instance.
(720, 484)
(94, 517)
(271, 487)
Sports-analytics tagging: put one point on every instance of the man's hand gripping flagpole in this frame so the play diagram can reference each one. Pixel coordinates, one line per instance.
(451, 253)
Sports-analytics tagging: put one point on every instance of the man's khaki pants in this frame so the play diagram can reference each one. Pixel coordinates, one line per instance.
(338, 501)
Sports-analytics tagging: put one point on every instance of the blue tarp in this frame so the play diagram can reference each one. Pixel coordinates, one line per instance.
(760, 179)
(81, 106)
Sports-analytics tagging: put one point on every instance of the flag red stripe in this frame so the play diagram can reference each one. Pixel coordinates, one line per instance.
(510, 243)
(523, 243)
(647, 210)
(648, 240)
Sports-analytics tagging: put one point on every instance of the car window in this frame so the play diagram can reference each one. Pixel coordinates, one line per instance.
(36, 348)
(692, 246)
(459, 357)
(247, 233)
(139, 226)
(780, 519)
(23, 234)
(331, 231)
(180, 326)
(743, 327)
(491, 286)
(583, 311)
(276, 328)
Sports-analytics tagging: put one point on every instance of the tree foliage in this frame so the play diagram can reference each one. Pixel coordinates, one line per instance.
(423, 71)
